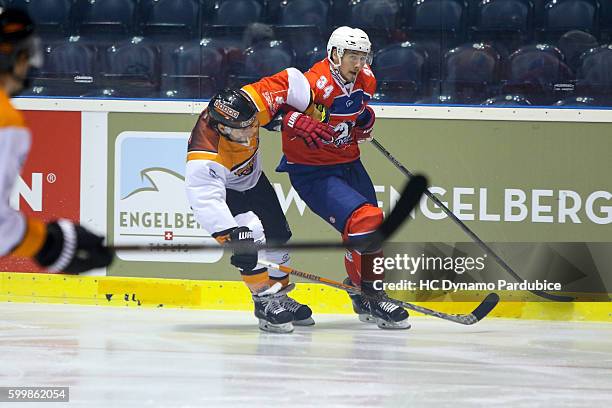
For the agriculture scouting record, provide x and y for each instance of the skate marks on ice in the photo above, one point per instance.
(191, 358)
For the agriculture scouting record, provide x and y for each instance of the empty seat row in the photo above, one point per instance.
(196, 69)
(198, 17)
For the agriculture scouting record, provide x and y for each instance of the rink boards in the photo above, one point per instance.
(534, 182)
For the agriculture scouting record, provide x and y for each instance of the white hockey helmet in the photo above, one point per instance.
(347, 38)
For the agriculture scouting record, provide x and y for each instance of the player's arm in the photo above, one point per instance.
(58, 246)
(206, 191)
(365, 121)
(290, 88)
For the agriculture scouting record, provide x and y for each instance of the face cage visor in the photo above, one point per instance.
(240, 135)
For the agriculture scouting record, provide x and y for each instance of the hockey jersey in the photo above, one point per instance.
(215, 163)
(20, 236)
(345, 104)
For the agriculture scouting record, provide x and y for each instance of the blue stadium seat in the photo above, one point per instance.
(505, 16)
(302, 23)
(573, 44)
(507, 100)
(69, 59)
(170, 18)
(437, 25)
(51, 16)
(106, 17)
(193, 70)
(374, 14)
(237, 12)
(564, 15)
(471, 72)
(539, 73)
(262, 59)
(304, 12)
(379, 18)
(402, 72)
(267, 58)
(131, 66)
(68, 68)
(436, 15)
(595, 72)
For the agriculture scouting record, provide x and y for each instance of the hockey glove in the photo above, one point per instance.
(71, 248)
(244, 257)
(364, 126)
(315, 134)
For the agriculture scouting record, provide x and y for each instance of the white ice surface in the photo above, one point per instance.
(130, 357)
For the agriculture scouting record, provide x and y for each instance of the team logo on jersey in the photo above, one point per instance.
(247, 168)
(343, 134)
(213, 173)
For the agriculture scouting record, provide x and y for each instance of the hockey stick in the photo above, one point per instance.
(467, 230)
(409, 199)
(481, 311)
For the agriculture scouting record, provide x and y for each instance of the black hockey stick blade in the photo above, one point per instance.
(409, 199)
(477, 315)
(485, 307)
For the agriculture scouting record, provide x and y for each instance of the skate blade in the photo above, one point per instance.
(367, 318)
(304, 322)
(275, 328)
(385, 325)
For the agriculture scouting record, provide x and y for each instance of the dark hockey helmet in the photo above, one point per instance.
(232, 108)
(16, 37)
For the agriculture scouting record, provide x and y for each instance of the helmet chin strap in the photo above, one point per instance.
(335, 68)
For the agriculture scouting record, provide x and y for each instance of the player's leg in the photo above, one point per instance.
(327, 193)
(272, 315)
(360, 226)
(264, 201)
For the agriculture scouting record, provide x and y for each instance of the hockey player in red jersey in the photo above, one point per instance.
(231, 196)
(58, 246)
(332, 180)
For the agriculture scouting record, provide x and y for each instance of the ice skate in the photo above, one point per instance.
(302, 314)
(273, 317)
(387, 315)
(361, 306)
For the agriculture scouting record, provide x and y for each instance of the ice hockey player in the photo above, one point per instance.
(58, 246)
(231, 196)
(332, 180)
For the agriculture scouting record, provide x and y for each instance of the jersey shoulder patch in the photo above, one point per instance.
(203, 143)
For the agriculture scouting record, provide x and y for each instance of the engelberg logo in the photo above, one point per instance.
(150, 205)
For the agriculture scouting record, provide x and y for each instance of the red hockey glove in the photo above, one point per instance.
(313, 133)
(363, 128)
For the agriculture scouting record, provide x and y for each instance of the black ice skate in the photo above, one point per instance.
(361, 305)
(386, 314)
(302, 314)
(273, 317)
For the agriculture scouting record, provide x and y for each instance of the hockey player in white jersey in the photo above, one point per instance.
(58, 246)
(231, 196)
